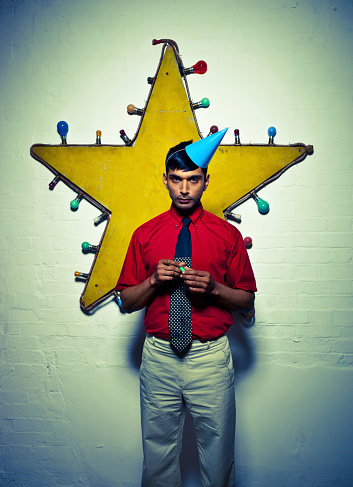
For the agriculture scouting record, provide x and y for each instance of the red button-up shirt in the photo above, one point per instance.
(217, 247)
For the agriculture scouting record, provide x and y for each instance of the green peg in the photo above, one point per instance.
(205, 102)
(74, 204)
(87, 247)
(262, 205)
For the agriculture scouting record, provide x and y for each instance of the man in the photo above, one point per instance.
(186, 360)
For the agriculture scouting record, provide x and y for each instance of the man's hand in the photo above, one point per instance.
(137, 297)
(167, 270)
(203, 284)
(200, 282)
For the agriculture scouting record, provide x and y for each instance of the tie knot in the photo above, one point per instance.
(186, 221)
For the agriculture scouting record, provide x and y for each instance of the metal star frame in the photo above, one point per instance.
(125, 181)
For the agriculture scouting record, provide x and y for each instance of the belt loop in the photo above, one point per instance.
(208, 345)
(153, 340)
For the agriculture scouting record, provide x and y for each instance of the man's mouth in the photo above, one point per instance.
(184, 200)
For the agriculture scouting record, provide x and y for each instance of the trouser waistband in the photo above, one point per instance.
(195, 344)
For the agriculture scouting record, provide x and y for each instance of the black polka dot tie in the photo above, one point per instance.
(180, 324)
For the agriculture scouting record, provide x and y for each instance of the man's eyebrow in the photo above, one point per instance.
(194, 176)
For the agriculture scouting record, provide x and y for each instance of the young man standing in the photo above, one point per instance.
(190, 269)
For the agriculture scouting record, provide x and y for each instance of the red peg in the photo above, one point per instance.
(248, 242)
(213, 130)
(237, 138)
(199, 68)
(53, 183)
(125, 137)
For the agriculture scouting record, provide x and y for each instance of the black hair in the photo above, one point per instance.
(177, 158)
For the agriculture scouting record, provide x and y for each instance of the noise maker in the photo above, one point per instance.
(132, 110)
(98, 137)
(199, 68)
(63, 129)
(54, 182)
(237, 138)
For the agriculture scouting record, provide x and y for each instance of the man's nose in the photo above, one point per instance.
(184, 186)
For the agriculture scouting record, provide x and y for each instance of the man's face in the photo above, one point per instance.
(185, 187)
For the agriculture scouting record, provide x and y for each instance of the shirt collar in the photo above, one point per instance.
(194, 216)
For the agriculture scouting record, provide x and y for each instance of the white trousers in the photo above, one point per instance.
(203, 380)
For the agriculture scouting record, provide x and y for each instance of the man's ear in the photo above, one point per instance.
(207, 180)
(165, 180)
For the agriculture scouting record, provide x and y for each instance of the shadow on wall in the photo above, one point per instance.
(240, 344)
(243, 354)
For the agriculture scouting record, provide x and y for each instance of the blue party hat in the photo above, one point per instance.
(202, 151)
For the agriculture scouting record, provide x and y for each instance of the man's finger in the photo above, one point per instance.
(169, 262)
(195, 276)
(193, 272)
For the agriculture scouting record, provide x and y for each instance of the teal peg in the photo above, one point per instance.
(87, 247)
(262, 205)
(74, 204)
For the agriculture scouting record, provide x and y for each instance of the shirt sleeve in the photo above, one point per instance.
(240, 274)
(133, 271)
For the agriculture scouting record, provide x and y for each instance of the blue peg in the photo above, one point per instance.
(271, 133)
(63, 129)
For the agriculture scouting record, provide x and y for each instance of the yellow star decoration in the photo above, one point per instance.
(125, 182)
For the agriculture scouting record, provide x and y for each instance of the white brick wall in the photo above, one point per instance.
(69, 405)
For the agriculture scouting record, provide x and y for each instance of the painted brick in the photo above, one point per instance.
(341, 256)
(347, 331)
(343, 346)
